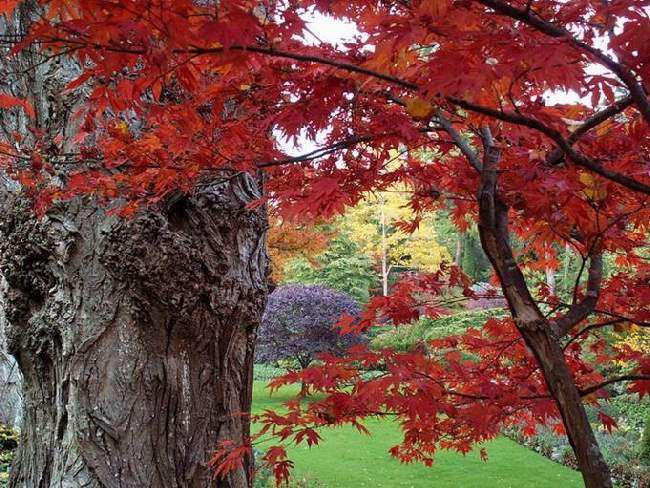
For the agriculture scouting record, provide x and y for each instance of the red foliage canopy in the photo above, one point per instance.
(179, 91)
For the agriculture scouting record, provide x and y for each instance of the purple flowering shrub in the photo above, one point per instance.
(298, 323)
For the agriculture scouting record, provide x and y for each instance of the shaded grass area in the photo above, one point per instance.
(347, 459)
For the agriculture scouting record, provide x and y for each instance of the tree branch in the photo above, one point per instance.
(279, 53)
(577, 157)
(637, 92)
(586, 329)
(317, 153)
(324, 151)
(615, 379)
(555, 156)
(581, 310)
(465, 148)
(640, 323)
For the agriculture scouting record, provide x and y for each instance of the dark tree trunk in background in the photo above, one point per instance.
(458, 257)
(134, 337)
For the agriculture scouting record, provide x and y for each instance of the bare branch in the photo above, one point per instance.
(595, 326)
(317, 153)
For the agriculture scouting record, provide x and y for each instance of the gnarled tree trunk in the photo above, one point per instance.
(134, 337)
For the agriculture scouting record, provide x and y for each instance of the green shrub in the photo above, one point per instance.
(617, 447)
(8, 445)
(631, 410)
(6, 458)
(404, 337)
(644, 450)
(8, 438)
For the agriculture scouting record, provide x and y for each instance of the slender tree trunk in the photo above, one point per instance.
(384, 276)
(135, 338)
(550, 279)
(385, 268)
(562, 387)
(458, 258)
(538, 333)
(304, 390)
(304, 362)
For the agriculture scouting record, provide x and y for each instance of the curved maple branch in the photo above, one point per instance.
(640, 323)
(616, 379)
(583, 392)
(581, 310)
(279, 53)
(637, 92)
(463, 145)
(324, 151)
(577, 157)
(590, 327)
(555, 156)
(599, 311)
(600, 117)
(317, 153)
(259, 49)
(600, 325)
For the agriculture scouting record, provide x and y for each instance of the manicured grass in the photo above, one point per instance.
(347, 459)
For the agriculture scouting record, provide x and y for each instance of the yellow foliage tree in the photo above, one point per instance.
(371, 224)
(638, 338)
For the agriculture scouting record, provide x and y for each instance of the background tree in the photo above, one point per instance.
(298, 324)
(463, 243)
(288, 241)
(373, 224)
(342, 267)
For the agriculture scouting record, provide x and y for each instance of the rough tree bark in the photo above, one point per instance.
(134, 337)
(541, 335)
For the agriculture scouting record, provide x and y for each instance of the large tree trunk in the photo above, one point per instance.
(135, 338)
(539, 334)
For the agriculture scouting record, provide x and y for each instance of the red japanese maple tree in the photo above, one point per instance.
(182, 90)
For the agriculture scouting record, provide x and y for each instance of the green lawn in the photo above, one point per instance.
(347, 459)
